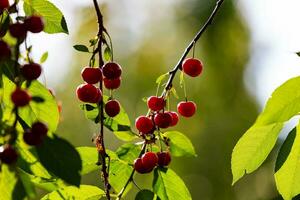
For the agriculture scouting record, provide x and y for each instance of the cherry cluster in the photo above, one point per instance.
(110, 74)
(27, 72)
(158, 119)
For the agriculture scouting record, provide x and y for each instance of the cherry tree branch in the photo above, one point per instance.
(102, 155)
(172, 74)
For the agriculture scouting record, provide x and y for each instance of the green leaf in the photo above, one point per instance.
(174, 92)
(287, 177)
(285, 149)
(11, 186)
(89, 158)
(54, 20)
(298, 53)
(119, 173)
(169, 186)
(145, 195)
(84, 192)
(107, 54)
(128, 152)
(60, 158)
(161, 78)
(253, 148)
(27, 184)
(180, 145)
(82, 48)
(44, 57)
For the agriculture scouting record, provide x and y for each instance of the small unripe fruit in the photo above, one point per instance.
(156, 103)
(186, 108)
(31, 71)
(18, 31)
(8, 155)
(39, 128)
(139, 167)
(20, 97)
(149, 160)
(164, 158)
(163, 120)
(112, 108)
(144, 124)
(4, 4)
(112, 70)
(91, 75)
(34, 24)
(5, 51)
(88, 93)
(192, 67)
(175, 118)
(112, 84)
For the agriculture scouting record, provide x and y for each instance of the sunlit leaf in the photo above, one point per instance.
(44, 57)
(82, 48)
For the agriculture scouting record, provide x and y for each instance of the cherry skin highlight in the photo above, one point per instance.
(34, 24)
(149, 160)
(186, 108)
(112, 84)
(31, 71)
(5, 51)
(156, 103)
(175, 118)
(192, 67)
(18, 31)
(112, 70)
(20, 97)
(164, 158)
(112, 108)
(144, 124)
(91, 75)
(8, 155)
(163, 120)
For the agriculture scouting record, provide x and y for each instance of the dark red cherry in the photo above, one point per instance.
(175, 118)
(31, 71)
(4, 4)
(156, 103)
(164, 158)
(149, 160)
(18, 31)
(20, 97)
(139, 167)
(5, 51)
(186, 108)
(8, 154)
(32, 139)
(112, 84)
(112, 108)
(144, 124)
(192, 67)
(88, 93)
(163, 120)
(91, 75)
(112, 70)
(34, 24)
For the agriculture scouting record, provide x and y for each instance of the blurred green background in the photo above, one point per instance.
(225, 109)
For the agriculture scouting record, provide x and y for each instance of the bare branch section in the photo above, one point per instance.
(173, 72)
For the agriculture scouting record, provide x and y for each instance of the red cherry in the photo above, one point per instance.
(175, 118)
(186, 108)
(112, 70)
(39, 128)
(31, 71)
(192, 67)
(149, 160)
(139, 167)
(34, 24)
(156, 103)
(4, 50)
(88, 93)
(18, 31)
(32, 139)
(112, 108)
(91, 75)
(20, 97)
(4, 4)
(112, 84)
(163, 120)
(144, 124)
(164, 158)
(8, 155)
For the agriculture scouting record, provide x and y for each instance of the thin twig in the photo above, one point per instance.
(102, 155)
(173, 72)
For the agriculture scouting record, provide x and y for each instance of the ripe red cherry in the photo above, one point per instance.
(112, 84)
(39, 128)
(144, 124)
(175, 118)
(186, 108)
(88, 93)
(91, 75)
(156, 103)
(163, 120)
(139, 167)
(34, 24)
(18, 31)
(192, 67)
(112, 108)
(164, 158)
(112, 70)
(4, 50)
(20, 97)
(8, 155)
(32, 139)
(31, 71)
(149, 160)
(4, 4)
